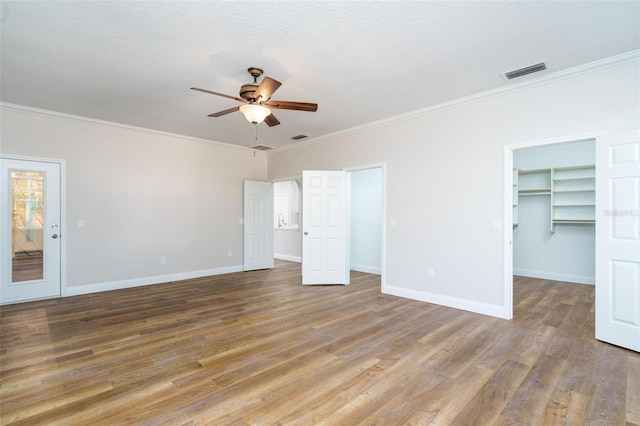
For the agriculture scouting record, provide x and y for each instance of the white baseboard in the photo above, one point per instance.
(297, 259)
(546, 275)
(367, 269)
(138, 282)
(451, 302)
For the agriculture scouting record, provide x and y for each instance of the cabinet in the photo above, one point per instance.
(572, 192)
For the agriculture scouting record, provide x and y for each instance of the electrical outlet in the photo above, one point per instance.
(430, 273)
(229, 253)
(163, 260)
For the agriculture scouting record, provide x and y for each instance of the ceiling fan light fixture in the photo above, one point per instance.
(255, 113)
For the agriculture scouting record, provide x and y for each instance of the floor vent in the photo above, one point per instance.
(262, 147)
(524, 71)
(295, 138)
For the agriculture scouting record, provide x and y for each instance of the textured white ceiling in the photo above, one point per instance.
(133, 62)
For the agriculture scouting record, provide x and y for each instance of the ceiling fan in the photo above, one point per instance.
(257, 101)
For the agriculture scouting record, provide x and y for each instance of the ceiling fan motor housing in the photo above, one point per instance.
(247, 90)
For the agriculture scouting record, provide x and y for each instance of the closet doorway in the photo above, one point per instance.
(554, 212)
(613, 208)
(541, 218)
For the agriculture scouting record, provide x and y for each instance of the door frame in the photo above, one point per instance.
(63, 210)
(383, 249)
(508, 206)
(285, 179)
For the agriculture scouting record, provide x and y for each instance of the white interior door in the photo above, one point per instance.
(325, 219)
(618, 239)
(258, 225)
(30, 248)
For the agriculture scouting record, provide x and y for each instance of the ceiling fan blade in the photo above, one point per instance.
(298, 106)
(271, 120)
(225, 112)
(219, 94)
(265, 89)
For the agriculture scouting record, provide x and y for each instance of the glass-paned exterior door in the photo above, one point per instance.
(30, 248)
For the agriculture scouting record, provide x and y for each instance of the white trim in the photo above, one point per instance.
(507, 221)
(158, 279)
(28, 158)
(72, 117)
(508, 205)
(554, 276)
(580, 137)
(63, 210)
(287, 257)
(366, 269)
(513, 87)
(287, 228)
(284, 179)
(448, 301)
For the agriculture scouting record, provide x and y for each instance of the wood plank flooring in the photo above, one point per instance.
(257, 348)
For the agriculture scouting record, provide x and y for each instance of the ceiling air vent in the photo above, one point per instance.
(262, 147)
(524, 71)
(295, 138)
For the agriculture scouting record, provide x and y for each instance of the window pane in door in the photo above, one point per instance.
(27, 224)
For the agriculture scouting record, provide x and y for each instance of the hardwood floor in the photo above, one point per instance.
(258, 348)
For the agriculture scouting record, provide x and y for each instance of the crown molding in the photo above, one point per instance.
(23, 108)
(624, 58)
(631, 56)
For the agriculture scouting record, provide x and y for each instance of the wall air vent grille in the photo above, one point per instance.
(524, 71)
(262, 147)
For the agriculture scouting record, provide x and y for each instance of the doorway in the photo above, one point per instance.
(367, 218)
(554, 212)
(537, 189)
(367, 223)
(287, 205)
(32, 253)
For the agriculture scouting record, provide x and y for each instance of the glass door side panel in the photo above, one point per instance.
(27, 224)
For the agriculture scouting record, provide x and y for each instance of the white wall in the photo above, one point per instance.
(445, 179)
(287, 244)
(142, 195)
(569, 253)
(366, 220)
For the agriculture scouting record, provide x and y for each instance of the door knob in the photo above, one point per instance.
(55, 236)
(306, 233)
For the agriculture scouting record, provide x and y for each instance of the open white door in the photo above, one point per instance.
(618, 239)
(258, 225)
(325, 237)
(30, 220)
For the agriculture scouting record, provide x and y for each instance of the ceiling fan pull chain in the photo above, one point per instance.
(255, 137)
